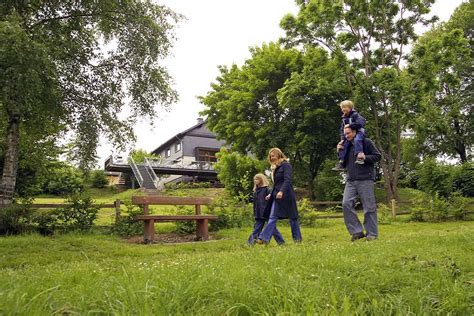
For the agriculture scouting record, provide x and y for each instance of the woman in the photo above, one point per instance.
(282, 198)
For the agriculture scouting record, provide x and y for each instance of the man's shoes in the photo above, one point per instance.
(357, 236)
(339, 167)
(360, 161)
(371, 237)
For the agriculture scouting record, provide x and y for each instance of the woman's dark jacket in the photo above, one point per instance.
(286, 206)
(261, 207)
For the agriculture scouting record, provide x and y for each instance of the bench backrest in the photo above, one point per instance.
(170, 200)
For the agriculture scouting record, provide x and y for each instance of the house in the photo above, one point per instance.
(195, 146)
(187, 156)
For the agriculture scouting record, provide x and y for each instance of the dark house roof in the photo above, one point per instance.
(180, 136)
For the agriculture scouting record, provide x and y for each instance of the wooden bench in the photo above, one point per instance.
(202, 221)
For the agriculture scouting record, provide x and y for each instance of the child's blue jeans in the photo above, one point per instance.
(257, 229)
(358, 145)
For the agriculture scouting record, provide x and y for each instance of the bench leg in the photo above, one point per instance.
(149, 231)
(202, 232)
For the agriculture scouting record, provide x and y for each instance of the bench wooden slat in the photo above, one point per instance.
(149, 220)
(170, 200)
(174, 217)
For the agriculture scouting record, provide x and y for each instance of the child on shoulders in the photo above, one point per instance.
(352, 118)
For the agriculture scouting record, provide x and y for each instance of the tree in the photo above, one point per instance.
(376, 35)
(71, 65)
(139, 155)
(280, 98)
(441, 66)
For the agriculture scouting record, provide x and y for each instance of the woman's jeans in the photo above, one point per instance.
(270, 229)
(257, 229)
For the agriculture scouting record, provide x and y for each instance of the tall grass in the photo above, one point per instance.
(414, 268)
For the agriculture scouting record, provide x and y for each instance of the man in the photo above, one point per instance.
(360, 183)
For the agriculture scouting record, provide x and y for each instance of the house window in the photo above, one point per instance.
(168, 152)
(177, 147)
(208, 155)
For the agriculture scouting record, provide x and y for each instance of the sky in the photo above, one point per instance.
(215, 32)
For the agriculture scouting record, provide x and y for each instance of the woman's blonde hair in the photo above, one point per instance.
(281, 155)
(347, 104)
(263, 180)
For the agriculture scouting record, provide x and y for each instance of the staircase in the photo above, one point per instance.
(148, 182)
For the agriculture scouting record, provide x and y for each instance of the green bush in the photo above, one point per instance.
(384, 214)
(307, 213)
(139, 155)
(185, 227)
(126, 225)
(98, 179)
(80, 213)
(329, 186)
(231, 213)
(464, 179)
(46, 220)
(63, 179)
(458, 205)
(236, 172)
(188, 185)
(438, 208)
(14, 219)
(435, 178)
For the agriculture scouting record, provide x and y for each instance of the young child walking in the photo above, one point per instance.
(261, 208)
(352, 118)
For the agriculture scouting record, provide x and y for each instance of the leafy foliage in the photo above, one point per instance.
(139, 155)
(79, 214)
(126, 225)
(98, 179)
(375, 34)
(14, 219)
(236, 172)
(70, 66)
(329, 186)
(441, 65)
(63, 179)
(280, 98)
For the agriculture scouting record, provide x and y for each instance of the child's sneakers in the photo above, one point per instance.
(339, 167)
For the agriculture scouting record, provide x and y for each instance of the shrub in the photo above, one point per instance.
(79, 214)
(307, 213)
(384, 213)
(438, 208)
(329, 186)
(236, 172)
(464, 179)
(63, 179)
(458, 206)
(185, 227)
(14, 219)
(126, 225)
(46, 221)
(231, 212)
(139, 155)
(98, 179)
(434, 178)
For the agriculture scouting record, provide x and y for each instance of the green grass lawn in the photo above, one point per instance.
(414, 268)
